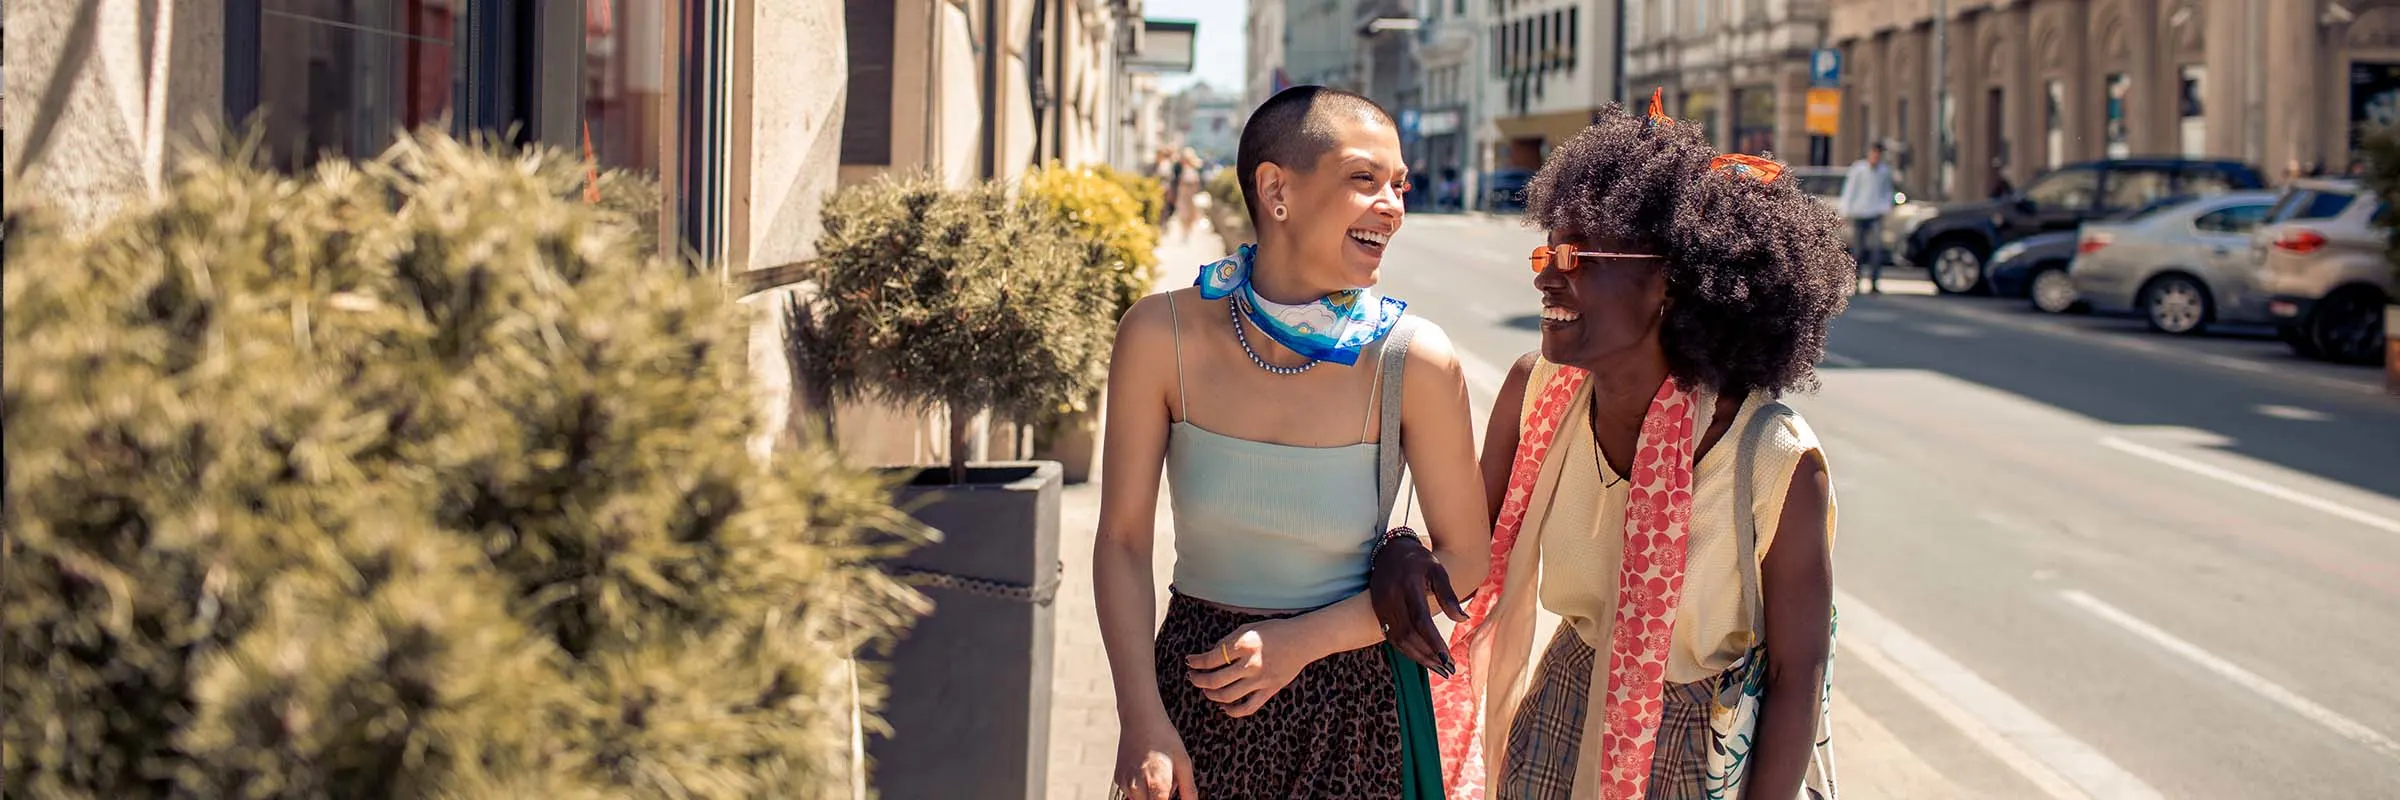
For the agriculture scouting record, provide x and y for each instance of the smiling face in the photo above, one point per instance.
(1344, 209)
(1596, 308)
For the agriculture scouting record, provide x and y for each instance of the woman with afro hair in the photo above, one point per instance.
(1650, 489)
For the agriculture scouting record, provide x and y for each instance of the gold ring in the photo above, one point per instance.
(1224, 653)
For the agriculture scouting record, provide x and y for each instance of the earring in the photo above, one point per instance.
(1281, 212)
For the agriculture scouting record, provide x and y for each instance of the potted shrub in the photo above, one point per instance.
(1101, 212)
(964, 301)
(411, 478)
(1227, 211)
(2381, 151)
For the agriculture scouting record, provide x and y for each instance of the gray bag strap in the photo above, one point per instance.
(1391, 468)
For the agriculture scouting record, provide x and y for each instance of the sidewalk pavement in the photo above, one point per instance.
(1872, 761)
(1083, 711)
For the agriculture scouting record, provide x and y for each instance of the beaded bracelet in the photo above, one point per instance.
(1387, 538)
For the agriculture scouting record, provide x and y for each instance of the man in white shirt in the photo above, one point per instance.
(1866, 197)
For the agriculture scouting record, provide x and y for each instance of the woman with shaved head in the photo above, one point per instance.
(1283, 395)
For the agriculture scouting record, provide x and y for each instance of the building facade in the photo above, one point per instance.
(1321, 44)
(1263, 71)
(1549, 65)
(1451, 122)
(2027, 85)
(1740, 68)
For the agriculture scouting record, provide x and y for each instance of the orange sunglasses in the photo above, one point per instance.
(1569, 259)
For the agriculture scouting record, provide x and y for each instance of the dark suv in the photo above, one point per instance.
(1956, 241)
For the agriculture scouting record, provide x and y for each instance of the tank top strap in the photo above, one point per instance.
(1183, 402)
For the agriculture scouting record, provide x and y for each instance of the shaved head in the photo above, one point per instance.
(1297, 127)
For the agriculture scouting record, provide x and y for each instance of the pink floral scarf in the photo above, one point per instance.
(1493, 645)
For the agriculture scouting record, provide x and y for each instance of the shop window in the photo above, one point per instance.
(624, 79)
(344, 77)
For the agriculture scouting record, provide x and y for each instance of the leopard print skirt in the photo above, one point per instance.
(1333, 733)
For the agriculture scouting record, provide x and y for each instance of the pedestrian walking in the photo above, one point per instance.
(1867, 193)
(1652, 491)
(1284, 396)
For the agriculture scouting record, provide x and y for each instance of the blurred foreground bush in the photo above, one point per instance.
(411, 478)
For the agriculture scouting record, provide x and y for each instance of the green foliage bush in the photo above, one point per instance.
(967, 299)
(411, 478)
(1101, 212)
(1150, 192)
(2380, 146)
(1228, 211)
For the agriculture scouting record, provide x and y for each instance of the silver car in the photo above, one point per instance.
(2181, 266)
(1825, 184)
(2322, 260)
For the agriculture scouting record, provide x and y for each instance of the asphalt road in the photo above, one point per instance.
(2074, 559)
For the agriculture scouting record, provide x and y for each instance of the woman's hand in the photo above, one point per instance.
(1403, 574)
(1151, 764)
(1248, 668)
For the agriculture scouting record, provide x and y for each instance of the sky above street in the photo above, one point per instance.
(1219, 58)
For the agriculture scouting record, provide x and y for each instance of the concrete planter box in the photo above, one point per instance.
(970, 685)
(1073, 440)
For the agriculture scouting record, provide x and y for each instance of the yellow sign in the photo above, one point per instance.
(1824, 111)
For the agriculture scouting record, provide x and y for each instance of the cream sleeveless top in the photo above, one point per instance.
(1583, 537)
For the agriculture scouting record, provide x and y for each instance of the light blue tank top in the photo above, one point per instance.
(1268, 526)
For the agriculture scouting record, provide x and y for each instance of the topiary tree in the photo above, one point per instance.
(2380, 147)
(964, 299)
(407, 479)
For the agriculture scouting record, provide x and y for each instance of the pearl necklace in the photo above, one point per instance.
(1233, 309)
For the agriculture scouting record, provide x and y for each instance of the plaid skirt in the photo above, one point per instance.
(1548, 733)
(1333, 733)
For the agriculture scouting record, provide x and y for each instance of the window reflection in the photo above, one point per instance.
(343, 77)
(624, 77)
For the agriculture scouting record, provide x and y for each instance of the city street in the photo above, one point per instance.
(2075, 559)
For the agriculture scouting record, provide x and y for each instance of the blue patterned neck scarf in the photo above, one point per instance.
(1335, 328)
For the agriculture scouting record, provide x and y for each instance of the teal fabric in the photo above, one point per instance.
(1420, 743)
(1270, 526)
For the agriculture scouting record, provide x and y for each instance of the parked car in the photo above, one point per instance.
(2181, 266)
(1504, 190)
(1957, 240)
(2036, 267)
(2322, 265)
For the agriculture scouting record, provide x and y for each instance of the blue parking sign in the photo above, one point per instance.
(1825, 68)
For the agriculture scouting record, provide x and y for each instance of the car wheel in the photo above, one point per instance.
(2175, 304)
(1957, 268)
(2347, 327)
(2053, 291)
(2302, 343)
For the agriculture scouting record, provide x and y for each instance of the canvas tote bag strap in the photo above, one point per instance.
(1745, 528)
(1391, 467)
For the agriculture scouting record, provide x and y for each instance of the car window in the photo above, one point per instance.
(2321, 205)
(2133, 188)
(2233, 219)
(2202, 179)
(1822, 185)
(2065, 190)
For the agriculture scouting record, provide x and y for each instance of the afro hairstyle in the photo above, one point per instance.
(1755, 270)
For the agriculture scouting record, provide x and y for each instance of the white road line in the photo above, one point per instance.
(2291, 701)
(2060, 765)
(1839, 360)
(2385, 524)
